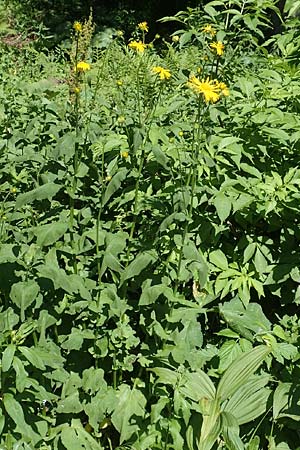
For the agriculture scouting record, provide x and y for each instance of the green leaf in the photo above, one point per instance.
(15, 411)
(75, 437)
(218, 258)
(250, 400)
(239, 372)
(230, 432)
(23, 294)
(114, 185)
(70, 404)
(32, 356)
(138, 265)
(197, 385)
(222, 205)
(7, 357)
(166, 376)
(160, 157)
(130, 402)
(50, 233)
(46, 191)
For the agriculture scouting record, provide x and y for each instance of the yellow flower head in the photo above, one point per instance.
(223, 89)
(207, 88)
(138, 46)
(218, 47)
(76, 90)
(121, 119)
(77, 27)
(119, 83)
(175, 38)
(209, 30)
(164, 74)
(124, 155)
(143, 26)
(82, 66)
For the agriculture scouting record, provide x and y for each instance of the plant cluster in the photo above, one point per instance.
(149, 239)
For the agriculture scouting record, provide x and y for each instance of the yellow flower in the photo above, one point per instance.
(175, 38)
(164, 74)
(119, 83)
(77, 27)
(138, 46)
(180, 133)
(124, 155)
(143, 26)
(223, 88)
(209, 29)
(82, 66)
(207, 88)
(13, 190)
(218, 47)
(108, 178)
(76, 90)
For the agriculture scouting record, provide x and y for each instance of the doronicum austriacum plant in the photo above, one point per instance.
(149, 238)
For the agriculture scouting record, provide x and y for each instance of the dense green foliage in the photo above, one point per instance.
(149, 236)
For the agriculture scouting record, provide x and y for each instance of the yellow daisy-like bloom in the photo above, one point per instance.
(138, 46)
(218, 47)
(175, 38)
(164, 74)
(77, 27)
(143, 26)
(124, 155)
(207, 88)
(223, 89)
(209, 29)
(82, 66)
(76, 90)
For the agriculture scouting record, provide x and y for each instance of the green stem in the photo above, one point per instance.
(191, 182)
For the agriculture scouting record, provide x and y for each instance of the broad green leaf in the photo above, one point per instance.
(151, 293)
(93, 380)
(250, 400)
(230, 432)
(22, 379)
(7, 357)
(32, 356)
(211, 424)
(239, 372)
(70, 404)
(46, 191)
(114, 185)
(130, 402)
(222, 205)
(218, 258)
(197, 385)
(15, 411)
(166, 376)
(138, 265)
(23, 294)
(75, 436)
(50, 233)
(281, 398)
(160, 157)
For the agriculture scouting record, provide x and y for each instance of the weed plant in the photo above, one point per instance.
(149, 238)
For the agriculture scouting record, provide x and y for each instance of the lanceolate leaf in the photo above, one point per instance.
(40, 193)
(239, 372)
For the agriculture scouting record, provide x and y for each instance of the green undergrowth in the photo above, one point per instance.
(149, 238)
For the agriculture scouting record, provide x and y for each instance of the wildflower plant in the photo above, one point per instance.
(149, 242)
